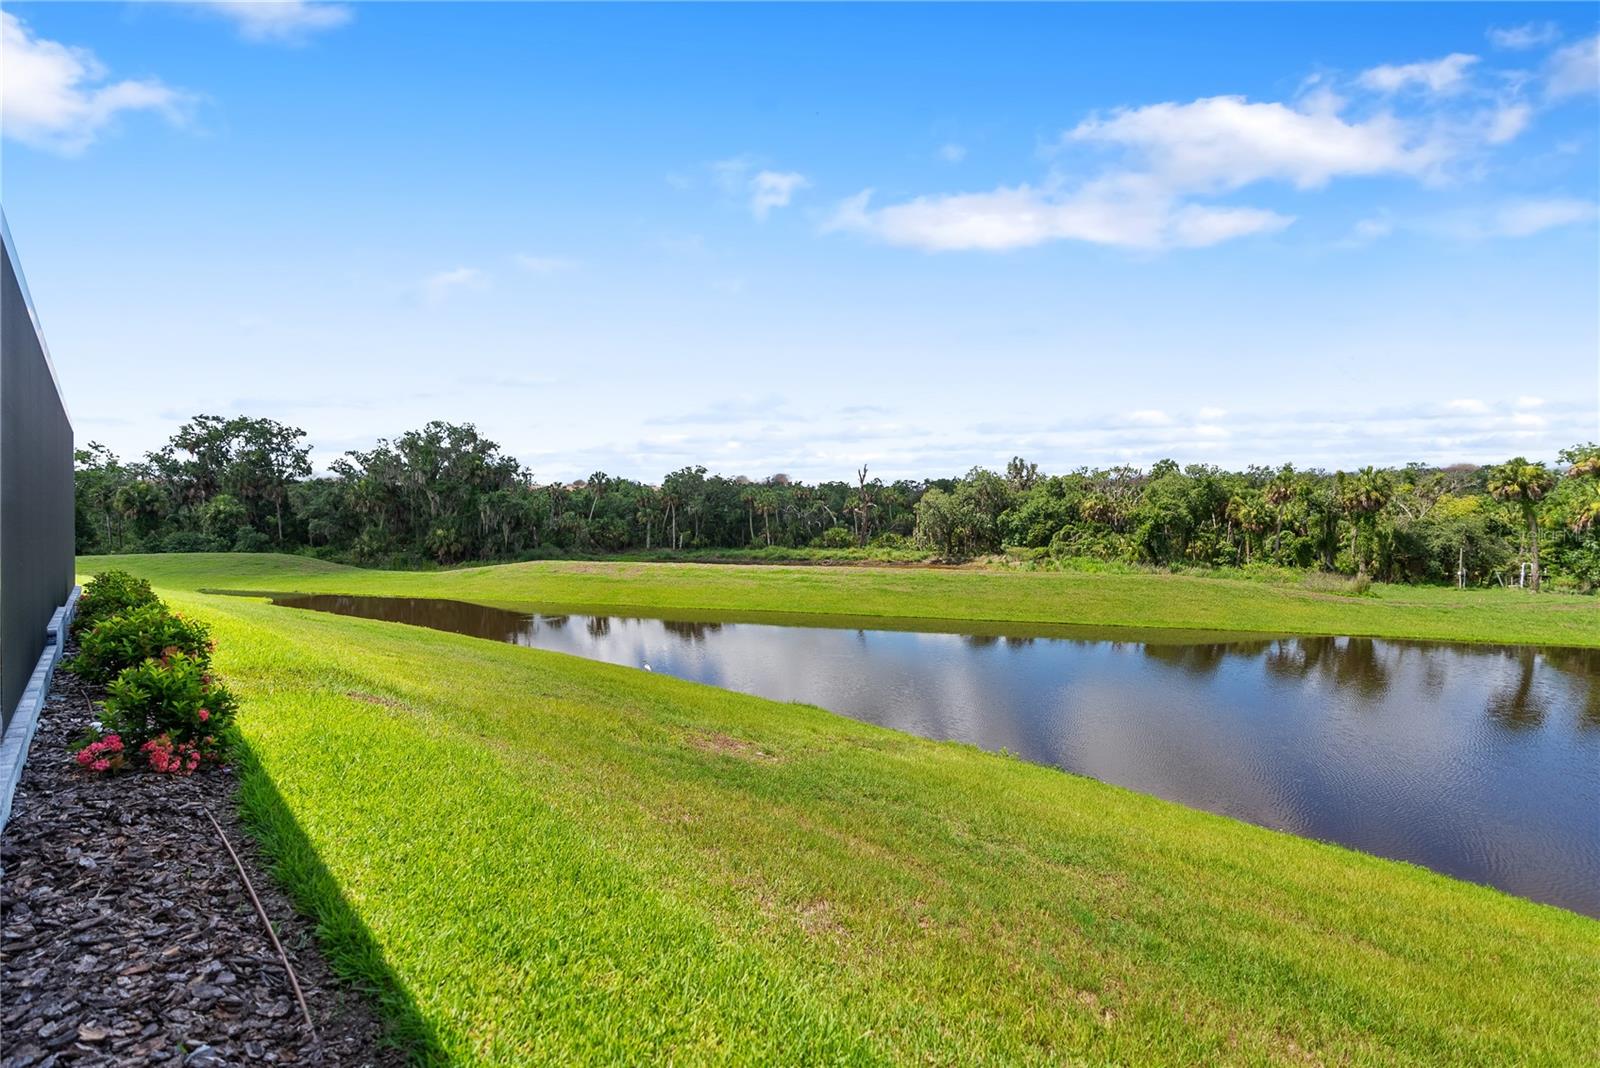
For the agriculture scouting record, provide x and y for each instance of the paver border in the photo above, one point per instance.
(19, 734)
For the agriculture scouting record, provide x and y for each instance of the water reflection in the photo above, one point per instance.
(1482, 762)
(1520, 705)
(1355, 663)
(1200, 661)
(689, 632)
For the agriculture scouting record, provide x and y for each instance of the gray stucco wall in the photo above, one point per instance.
(36, 505)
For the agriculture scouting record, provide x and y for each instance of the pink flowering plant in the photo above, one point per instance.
(163, 709)
(171, 712)
(103, 754)
(168, 757)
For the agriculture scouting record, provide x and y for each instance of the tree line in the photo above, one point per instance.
(446, 494)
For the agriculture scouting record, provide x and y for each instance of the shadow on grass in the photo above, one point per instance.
(350, 949)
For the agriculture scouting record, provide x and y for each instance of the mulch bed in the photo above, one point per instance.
(127, 936)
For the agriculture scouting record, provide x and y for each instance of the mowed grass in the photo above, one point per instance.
(866, 593)
(534, 858)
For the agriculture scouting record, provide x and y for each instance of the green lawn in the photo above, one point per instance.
(535, 858)
(861, 593)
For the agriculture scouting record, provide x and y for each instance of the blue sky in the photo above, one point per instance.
(786, 238)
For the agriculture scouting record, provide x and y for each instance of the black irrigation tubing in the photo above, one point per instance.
(255, 899)
(261, 911)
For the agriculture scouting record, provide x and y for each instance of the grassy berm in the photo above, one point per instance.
(533, 858)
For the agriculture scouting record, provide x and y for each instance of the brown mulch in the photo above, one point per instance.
(127, 936)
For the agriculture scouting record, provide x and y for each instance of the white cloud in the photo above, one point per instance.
(1317, 96)
(56, 97)
(774, 189)
(1126, 211)
(1149, 417)
(1522, 218)
(1197, 226)
(773, 437)
(437, 287)
(1467, 404)
(765, 189)
(1446, 75)
(1211, 415)
(1210, 146)
(543, 264)
(1521, 38)
(1504, 123)
(951, 152)
(1530, 402)
(1176, 158)
(283, 21)
(1225, 142)
(1574, 70)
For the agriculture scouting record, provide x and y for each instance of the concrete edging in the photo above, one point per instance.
(19, 735)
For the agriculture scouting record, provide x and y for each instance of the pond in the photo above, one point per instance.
(1481, 762)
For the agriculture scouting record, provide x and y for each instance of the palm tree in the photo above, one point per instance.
(766, 504)
(645, 513)
(748, 498)
(1586, 513)
(1586, 466)
(1524, 484)
(1247, 512)
(1278, 493)
(140, 505)
(1320, 506)
(599, 482)
(670, 499)
(1363, 495)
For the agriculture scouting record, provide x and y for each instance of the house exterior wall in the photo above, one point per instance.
(36, 505)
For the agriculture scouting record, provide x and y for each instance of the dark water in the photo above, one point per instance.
(1481, 762)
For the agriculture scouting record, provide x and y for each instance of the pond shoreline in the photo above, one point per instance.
(1400, 748)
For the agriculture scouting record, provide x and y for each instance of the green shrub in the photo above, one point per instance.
(108, 594)
(1061, 559)
(834, 538)
(135, 636)
(251, 541)
(172, 698)
(1328, 582)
